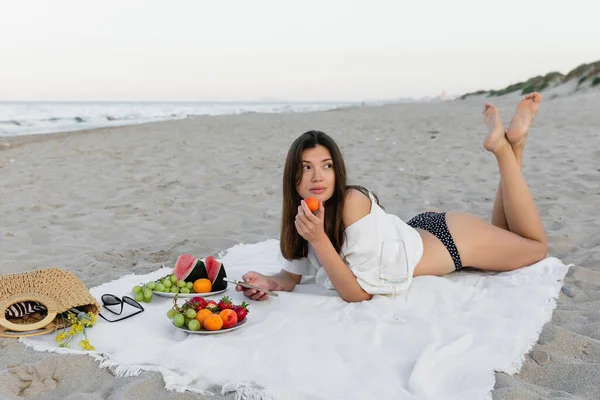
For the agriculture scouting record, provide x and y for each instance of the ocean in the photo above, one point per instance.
(24, 118)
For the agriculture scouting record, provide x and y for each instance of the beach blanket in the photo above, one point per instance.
(310, 344)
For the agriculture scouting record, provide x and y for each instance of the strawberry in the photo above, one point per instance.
(225, 304)
(212, 306)
(208, 302)
(241, 311)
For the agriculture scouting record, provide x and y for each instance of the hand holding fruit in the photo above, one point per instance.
(309, 225)
(256, 279)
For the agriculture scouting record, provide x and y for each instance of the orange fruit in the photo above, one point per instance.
(202, 285)
(202, 314)
(213, 322)
(312, 203)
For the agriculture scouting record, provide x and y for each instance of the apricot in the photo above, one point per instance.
(312, 203)
(213, 322)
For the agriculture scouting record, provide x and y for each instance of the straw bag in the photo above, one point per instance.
(54, 289)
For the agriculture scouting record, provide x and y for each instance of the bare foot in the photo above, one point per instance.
(521, 121)
(495, 139)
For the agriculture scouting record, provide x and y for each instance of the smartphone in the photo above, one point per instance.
(249, 286)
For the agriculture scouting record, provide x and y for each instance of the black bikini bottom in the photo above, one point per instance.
(435, 223)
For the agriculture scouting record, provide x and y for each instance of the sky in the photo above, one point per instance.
(326, 50)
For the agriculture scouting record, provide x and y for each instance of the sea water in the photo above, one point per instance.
(24, 118)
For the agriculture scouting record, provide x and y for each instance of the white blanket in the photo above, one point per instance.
(310, 344)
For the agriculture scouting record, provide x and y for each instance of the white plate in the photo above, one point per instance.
(188, 295)
(205, 332)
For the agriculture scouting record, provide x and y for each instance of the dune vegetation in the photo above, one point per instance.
(583, 73)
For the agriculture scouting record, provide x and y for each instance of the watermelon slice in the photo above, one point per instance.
(215, 273)
(188, 268)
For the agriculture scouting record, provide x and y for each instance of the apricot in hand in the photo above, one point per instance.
(312, 203)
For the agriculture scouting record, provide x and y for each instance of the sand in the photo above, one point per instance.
(110, 202)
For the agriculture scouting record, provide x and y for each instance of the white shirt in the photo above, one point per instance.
(362, 249)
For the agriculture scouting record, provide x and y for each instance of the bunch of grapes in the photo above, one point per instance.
(184, 315)
(167, 284)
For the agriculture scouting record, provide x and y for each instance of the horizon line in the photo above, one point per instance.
(274, 100)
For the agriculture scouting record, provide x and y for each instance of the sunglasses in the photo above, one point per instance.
(110, 300)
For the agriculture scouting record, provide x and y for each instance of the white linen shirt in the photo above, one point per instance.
(361, 251)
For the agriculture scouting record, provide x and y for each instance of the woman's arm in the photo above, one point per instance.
(341, 276)
(283, 281)
(357, 205)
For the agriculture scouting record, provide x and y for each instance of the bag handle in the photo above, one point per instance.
(48, 329)
(49, 303)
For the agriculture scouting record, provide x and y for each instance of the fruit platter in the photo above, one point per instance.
(201, 316)
(191, 276)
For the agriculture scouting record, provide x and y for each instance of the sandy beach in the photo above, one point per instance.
(114, 201)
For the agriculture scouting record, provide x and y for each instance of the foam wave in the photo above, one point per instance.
(12, 122)
(36, 118)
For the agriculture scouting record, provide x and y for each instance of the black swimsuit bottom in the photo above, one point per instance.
(435, 223)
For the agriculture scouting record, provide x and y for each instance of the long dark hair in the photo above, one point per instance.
(293, 246)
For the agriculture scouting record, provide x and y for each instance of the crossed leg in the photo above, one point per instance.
(516, 136)
(483, 245)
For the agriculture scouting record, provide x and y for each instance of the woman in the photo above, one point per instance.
(340, 243)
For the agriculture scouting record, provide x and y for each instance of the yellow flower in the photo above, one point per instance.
(79, 322)
(87, 323)
(85, 344)
(93, 317)
(72, 318)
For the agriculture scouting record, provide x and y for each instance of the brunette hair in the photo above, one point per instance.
(292, 245)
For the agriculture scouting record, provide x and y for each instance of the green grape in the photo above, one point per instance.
(147, 295)
(171, 313)
(193, 325)
(159, 287)
(136, 289)
(190, 313)
(181, 284)
(189, 285)
(173, 279)
(139, 297)
(184, 290)
(151, 285)
(174, 289)
(167, 283)
(179, 320)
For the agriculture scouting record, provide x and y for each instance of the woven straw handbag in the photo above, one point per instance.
(55, 289)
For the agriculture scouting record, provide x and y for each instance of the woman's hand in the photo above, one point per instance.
(309, 225)
(256, 279)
